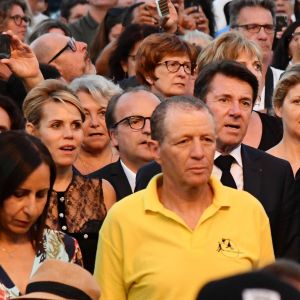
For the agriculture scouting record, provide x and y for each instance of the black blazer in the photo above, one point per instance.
(271, 181)
(114, 173)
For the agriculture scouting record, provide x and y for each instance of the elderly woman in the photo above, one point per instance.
(27, 175)
(13, 17)
(286, 102)
(165, 63)
(94, 93)
(78, 205)
(264, 131)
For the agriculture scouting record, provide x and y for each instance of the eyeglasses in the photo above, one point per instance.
(255, 28)
(135, 122)
(173, 66)
(71, 44)
(18, 19)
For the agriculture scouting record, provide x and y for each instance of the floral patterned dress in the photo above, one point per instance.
(56, 245)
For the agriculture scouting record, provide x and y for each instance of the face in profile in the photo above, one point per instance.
(173, 74)
(186, 153)
(290, 112)
(60, 129)
(96, 137)
(21, 210)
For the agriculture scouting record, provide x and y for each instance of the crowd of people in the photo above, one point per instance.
(150, 156)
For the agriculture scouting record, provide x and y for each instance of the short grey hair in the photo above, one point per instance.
(95, 85)
(236, 6)
(157, 122)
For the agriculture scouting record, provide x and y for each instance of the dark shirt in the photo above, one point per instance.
(84, 29)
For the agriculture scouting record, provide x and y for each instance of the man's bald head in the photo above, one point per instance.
(69, 57)
(45, 47)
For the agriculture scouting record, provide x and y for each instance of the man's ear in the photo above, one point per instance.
(154, 147)
(113, 133)
(31, 129)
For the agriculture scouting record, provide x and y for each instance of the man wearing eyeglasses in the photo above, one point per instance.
(256, 20)
(128, 122)
(68, 56)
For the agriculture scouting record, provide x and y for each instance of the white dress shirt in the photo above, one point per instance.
(236, 169)
(130, 175)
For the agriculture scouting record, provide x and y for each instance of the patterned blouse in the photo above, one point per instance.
(56, 245)
(79, 211)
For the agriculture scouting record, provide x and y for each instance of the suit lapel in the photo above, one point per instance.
(252, 171)
(120, 179)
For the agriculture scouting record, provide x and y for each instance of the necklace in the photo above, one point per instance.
(10, 253)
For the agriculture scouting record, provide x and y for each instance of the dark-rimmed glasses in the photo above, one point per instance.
(134, 122)
(71, 44)
(173, 66)
(255, 28)
(18, 19)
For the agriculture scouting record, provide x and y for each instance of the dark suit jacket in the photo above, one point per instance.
(271, 181)
(114, 173)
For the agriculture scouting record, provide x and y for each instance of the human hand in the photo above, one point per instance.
(200, 20)
(23, 62)
(146, 14)
(170, 22)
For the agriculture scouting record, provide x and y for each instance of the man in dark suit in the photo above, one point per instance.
(230, 90)
(128, 122)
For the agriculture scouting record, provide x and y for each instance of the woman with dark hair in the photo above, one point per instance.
(11, 116)
(122, 59)
(109, 30)
(49, 25)
(13, 17)
(287, 51)
(27, 175)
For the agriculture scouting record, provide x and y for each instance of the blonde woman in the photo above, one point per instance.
(286, 103)
(78, 205)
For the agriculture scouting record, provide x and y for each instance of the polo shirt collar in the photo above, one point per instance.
(152, 203)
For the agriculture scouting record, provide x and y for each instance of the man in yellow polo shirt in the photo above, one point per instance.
(185, 228)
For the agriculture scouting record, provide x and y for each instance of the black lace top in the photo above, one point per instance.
(79, 211)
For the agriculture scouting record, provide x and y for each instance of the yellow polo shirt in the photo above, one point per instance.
(146, 251)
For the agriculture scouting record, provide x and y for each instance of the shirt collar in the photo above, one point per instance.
(235, 153)
(130, 175)
(152, 202)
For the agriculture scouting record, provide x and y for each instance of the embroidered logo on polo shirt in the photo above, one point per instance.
(228, 248)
